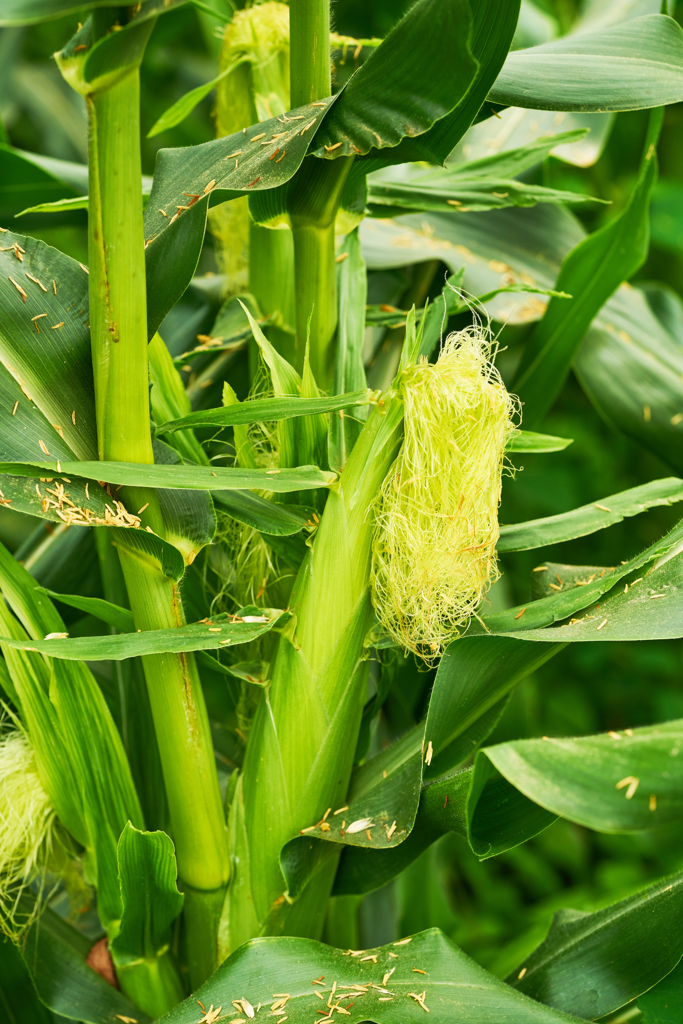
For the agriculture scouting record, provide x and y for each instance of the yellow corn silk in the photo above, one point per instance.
(27, 826)
(437, 513)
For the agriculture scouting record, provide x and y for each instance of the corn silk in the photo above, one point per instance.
(434, 547)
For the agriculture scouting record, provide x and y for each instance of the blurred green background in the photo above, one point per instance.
(497, 910)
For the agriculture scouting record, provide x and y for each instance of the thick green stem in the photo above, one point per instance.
(309, 34)
(118, 318)
(313, 207)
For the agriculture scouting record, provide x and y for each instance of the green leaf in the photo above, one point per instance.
(445, 190)
(47, 372)
(593, 964)
(413, 79)
(528, 442)
(580, 522)
(112, 614)
(18, 997)
(474, 674)
(527, 621)
(55, 956)
(189, 517)
(363, 870)
(662, 1004)
(591, 273)
(199, 478)
(187, 179)
(349, 370)
(631, 369)
(511, 162)
(59, 206)
(624, 67)
(27, 180)
(651, 609)
(493, 24)
(183, 107)
(223, 631)
(265, 516)
(514, 127)
(495, 249)
(151, 902)
(261, 410)
(611, 782)
(454, 986)
(29, 12)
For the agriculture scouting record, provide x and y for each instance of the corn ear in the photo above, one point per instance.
(299, 757)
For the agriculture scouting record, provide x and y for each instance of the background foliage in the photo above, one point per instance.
(496, 911)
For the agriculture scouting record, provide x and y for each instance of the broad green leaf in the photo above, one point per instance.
(631, 369)
(590, 273)
(263, 409)
(18, 997)
(522, 619)
(452, 987)
(267, 517)
(538, 533)
(495, 249)
(363, 870)
(592, 964)
(417, 75)
(151, 902)
(474, 674)
(187, 179)
(667, 306)
(623, 781)
(493, 24)
(662, 1004)
(528, 442)
(156, 552)
(112, 614)
(59, 500)
(623, 67)
(515, 128)
(222, 631)
(650, 609)
(199, 478)
(27, 12)
(46, 365)
(55, 957)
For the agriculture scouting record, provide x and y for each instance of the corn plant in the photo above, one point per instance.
(297, 512)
